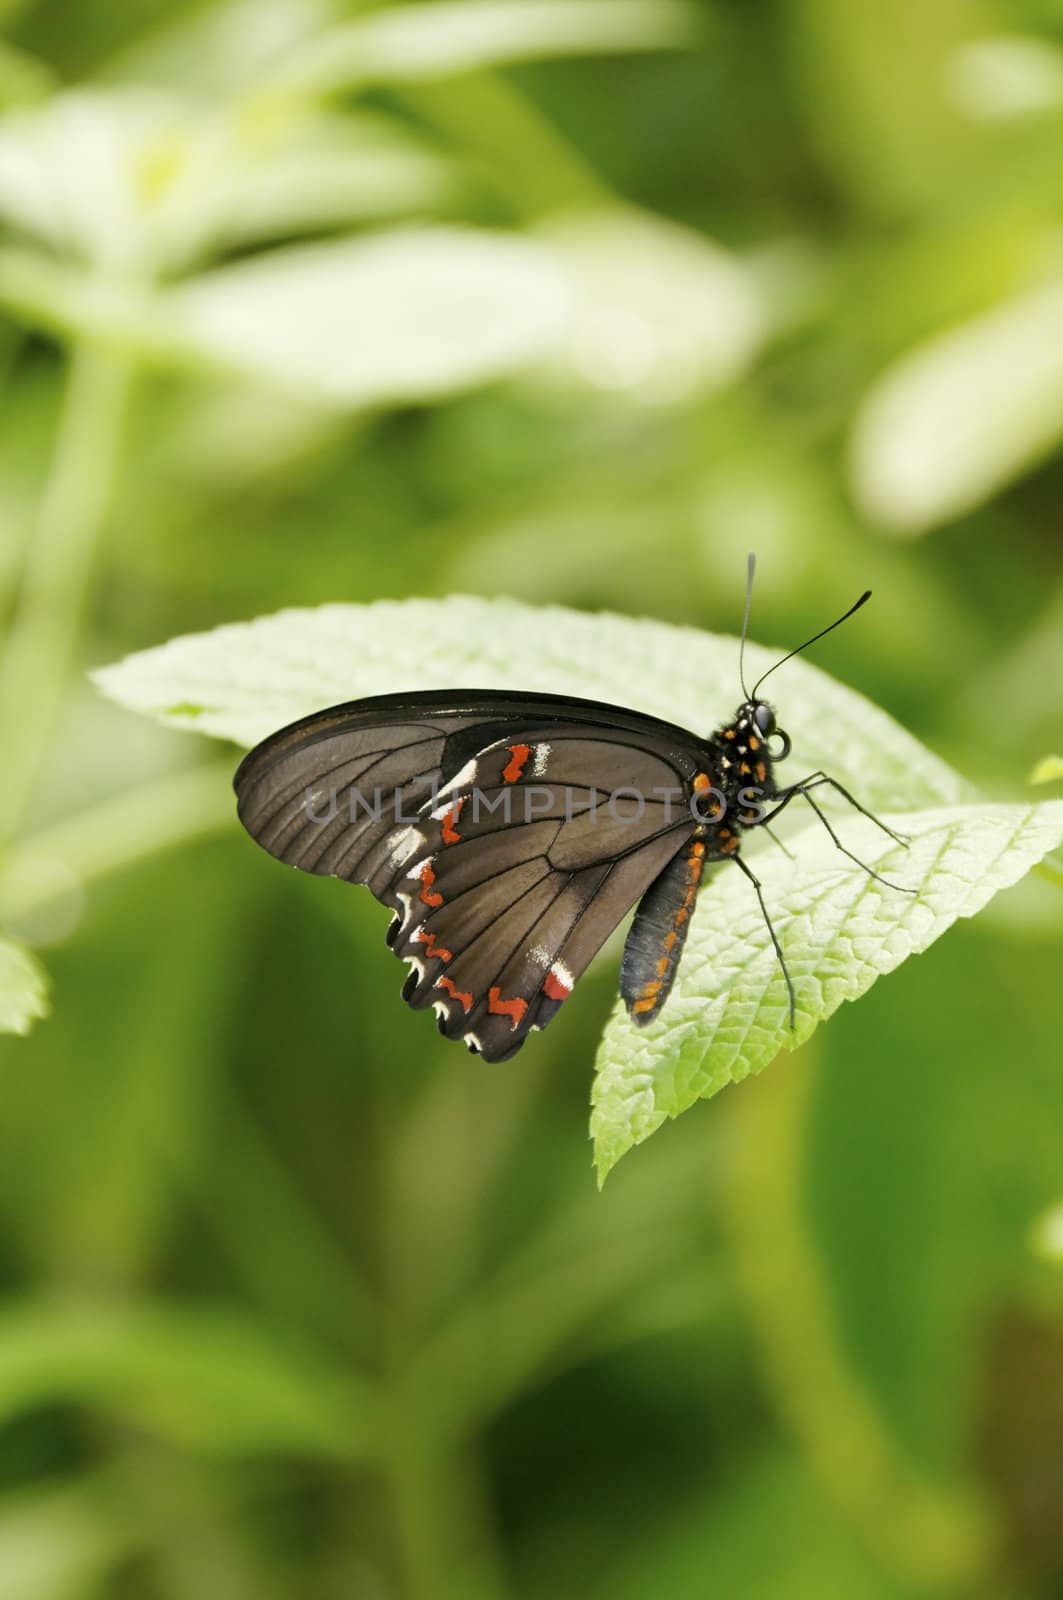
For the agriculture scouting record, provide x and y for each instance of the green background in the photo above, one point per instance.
(298, 1301)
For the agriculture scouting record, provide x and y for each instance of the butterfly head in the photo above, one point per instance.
(747, 749)
(756, 728)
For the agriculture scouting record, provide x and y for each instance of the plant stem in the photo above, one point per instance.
(442, 1518)
(58, 563)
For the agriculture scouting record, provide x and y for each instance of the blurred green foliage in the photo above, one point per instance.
(296, 1303)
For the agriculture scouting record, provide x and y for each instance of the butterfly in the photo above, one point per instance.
(509, 833)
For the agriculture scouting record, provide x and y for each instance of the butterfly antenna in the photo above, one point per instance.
(745, 625)
(820, 635)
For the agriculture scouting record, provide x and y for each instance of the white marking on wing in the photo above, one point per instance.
(465, 779)
(404, 845)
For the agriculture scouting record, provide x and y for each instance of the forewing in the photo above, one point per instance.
(510, 834)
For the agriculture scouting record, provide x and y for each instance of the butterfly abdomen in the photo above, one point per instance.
(655, 942)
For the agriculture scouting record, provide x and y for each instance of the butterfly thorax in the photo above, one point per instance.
(739, 781)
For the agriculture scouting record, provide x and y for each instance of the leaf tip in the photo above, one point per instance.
(1048, 770)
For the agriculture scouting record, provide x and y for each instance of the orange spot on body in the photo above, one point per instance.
(701, 781)
(762, 772)
(644, 1005)
(455, 993)
(662, 966)
(428, 896)
(698, 850)
(728, 733)
(554, 989)
(745, 769)
(513, 1009)
(731, 846)
(754, 742)
(669, 940)
(450, 834)
(649, 990)
(430, 946)
(514, 769)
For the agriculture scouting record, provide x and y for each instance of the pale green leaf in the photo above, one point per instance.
(23, 989)
(407, 43)
(1004, 77)
(408, 315)
(1048, 770)
(243, 681)
(962, 416)
(73, 170)
(223, 50)
(139, 181)
(661, 312)
(1046, 1235)
(398, 316)
(324, 171)
(727, 1016)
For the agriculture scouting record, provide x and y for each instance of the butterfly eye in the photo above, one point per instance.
(764, 717)
(782, 750)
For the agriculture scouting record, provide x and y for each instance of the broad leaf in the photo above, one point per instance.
(140, 181)
(328, 322)
(661, 311)
(728, 1014)
(407, 43)
(243, 681)
(957, 419)
(401, 316)
(23, 989)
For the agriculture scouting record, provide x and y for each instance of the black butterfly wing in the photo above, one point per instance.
(492, 826)
(499, 911)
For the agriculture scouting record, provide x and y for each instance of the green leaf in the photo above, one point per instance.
(958, 418)
(1046, 1236)
(408, 43)
(142, 182)
(23, 989)
(840, 930)
(728, 1014)
(407, 315)
(661, 311)
(1005, 77)
(328, 322)
(244, 680)
(1048, 770)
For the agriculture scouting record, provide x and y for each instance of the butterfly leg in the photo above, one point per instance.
(818, 779)
(755, 881)
(815, 783)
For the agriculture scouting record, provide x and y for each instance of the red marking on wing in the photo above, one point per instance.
(450, 834)
(515, 769)
(513, 1009)
(455, 993)
(428, 877)
(554, 989)
(430, 946)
